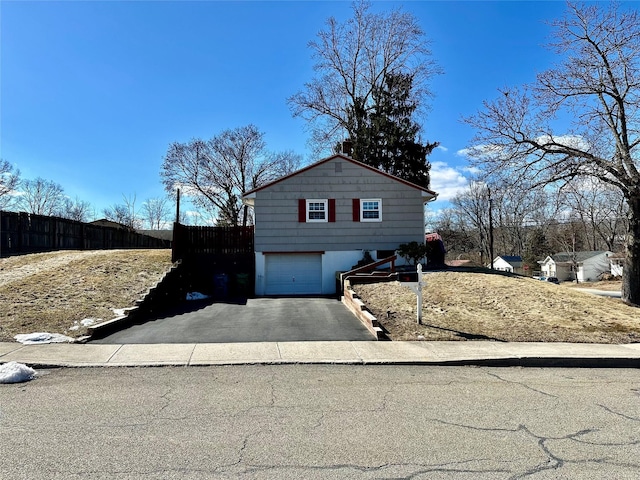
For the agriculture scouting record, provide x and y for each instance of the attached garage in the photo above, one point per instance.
(293, 274)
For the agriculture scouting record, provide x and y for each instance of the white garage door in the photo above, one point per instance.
(295, 274)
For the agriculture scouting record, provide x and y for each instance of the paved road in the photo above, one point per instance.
(602, 293)
(253, 320)
(317, 422)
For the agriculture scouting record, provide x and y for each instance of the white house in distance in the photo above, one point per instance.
(321, 219)
(508, 263)
(588, 265)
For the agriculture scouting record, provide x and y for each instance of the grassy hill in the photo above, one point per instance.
(53, 292)
(465, 305)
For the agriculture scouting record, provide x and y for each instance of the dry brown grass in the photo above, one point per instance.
(48, 292)
(608, 285)
(463, 305)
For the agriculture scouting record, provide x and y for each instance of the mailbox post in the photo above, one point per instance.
(419, 294)
(417, 288)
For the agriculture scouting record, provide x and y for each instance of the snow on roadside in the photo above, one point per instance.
(87, 322)
(14, 372)
(42, 337)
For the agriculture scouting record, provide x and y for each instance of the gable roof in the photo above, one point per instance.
(567, 257)
(103, 222)
(512, 259)
(433, 194)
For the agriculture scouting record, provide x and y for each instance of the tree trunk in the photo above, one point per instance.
(631, 273)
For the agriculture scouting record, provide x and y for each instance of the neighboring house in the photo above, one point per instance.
(321, 219)
(508, 263)
(617, 264)
(436, 250)
(160, 234)
(585, 266)
(103, 222)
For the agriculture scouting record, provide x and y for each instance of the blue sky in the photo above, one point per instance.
(92, 93)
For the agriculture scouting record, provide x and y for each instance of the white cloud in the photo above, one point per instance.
(471, 170)
(440, 147)
(571, 141)
(479, 151)
(447, 181)
(498, 151)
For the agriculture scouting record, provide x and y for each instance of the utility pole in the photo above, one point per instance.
(178, 206)
(490, 226)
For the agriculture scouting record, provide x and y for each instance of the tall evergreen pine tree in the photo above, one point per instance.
(385, 135)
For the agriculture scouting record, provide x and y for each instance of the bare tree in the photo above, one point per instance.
(352, 60)
(78, 210)
(600, 210)
(217, 172)
(9, 182)
(156, 211)
(516, 209)
(41, 197)
(124, 213)
(460, 237)
(473, 205)
(597, 83)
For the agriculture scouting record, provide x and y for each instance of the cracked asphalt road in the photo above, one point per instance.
(322, 421)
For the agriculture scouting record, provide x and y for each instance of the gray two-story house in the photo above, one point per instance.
(322, 218)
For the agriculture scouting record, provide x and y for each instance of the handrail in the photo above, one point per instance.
(367, 268)
(371, 266)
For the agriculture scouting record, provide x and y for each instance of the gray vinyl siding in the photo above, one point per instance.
(276, 211)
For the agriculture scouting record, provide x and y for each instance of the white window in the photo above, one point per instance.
(371, 210)
(317, 210)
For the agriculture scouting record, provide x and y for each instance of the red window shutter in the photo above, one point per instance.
(302, 210)
(332, 209)
(356, 209)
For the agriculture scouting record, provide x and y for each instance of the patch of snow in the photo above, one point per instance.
(196, 296)
(87, 322)
(14, 372)
(42, 337)
(119, 312)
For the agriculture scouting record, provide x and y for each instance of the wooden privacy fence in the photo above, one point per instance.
(189, 241)
(28, 233)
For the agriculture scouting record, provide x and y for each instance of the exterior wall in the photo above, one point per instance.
(277, 228)
(561, 272)
(260, 262)
(590, 269)
(502, 265)
(331, 263)
(564, 273)
(548, 269)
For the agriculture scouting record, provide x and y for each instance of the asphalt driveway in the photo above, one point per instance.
(253, 320)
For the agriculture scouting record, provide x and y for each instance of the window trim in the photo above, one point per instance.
(308, 211)
(379, 210)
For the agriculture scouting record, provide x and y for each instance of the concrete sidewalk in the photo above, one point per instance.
(356, 353)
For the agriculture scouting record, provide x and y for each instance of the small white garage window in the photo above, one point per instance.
(317, 210)
(370, 210)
